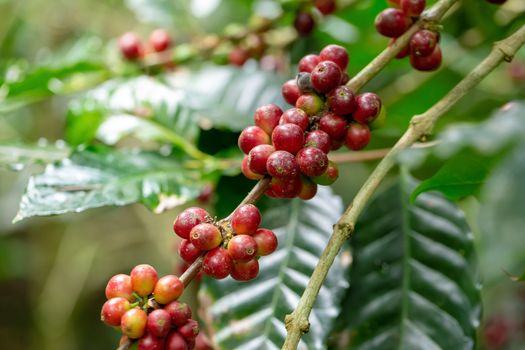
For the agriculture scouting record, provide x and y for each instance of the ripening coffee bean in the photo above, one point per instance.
(150, 342)
(308, 188)
(326, 76)
(312, 161)
(304, 23)
(252, 136)
(357, 136)
(290, 91)
(160, 40)
(304, 83)
(143, 279)
(188, 251)
(341, 100)
(318, 139)
(266, 241)
(245, 271)
(334, 125)
(282, 164)
(368, 106)
(326, 7)
(287, 137)
(168, 289)
(246, 219)
(267, 117)
(205, 236)
(258, 157)
(423, 43)
(120, 286)
(336, 54)
(242, 248)
(412, 8)
(329, 176)
(113, 309)
(175, 341)
(308, 63)
(392, 22)
(159, 323)
(427, 63)
(189, 330)
(284, 188)
(179, 312)
(238, 57)
(217, 263)
(188, 219)
(130, 46)
(133, 323)
(245, 168)
(310, 103)
(295, 116)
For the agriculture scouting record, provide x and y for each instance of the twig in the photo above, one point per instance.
(420, 125)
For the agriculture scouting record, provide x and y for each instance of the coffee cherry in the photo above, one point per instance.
(112, 311)
(242, 248)
(303, 23)
(150, 342)
(412, 8)
(326, 7)
(336, 54)
(284, 188)
(329, 176)
(427, 63)
(247, 172)
(295, 116)
(246, 219)
(308, 188)
(291, 91)
(423, 43)
(133, 323)
(245, 271)
(143, 279)
(345, 78)
(188, 251)
(266, 241)
(287, 137)
(217, 263)
(282, 164)
(120, 286)
(318, 139)
(188, 219)
(336, 144)
(267, 117)
(310, 103)
(368, 106)
(189, 330)
(179, 312)
(334, 125)
(304, 83)
(175, 341)
(341, 100)
(238, 57)
(159, 323)
(202, 342)
(130, 46)
(312, 161)
(168, 289)
(252, 136)
(326, 76)
(205, 236)
(308, 63)
(404, 52)
(258, 157)
(357, 136)
(392, 22)
(160, 40)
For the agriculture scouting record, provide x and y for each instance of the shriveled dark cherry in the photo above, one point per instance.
(258, 157)
(267, 117)
(245, 271)
(336, 54)
(341, 100)
(188, 219)
(159, 323)
(308, 63)
(284, 188)
(179, 312)
(334, 125)
(245, 168)
(217, 263)
(326, 76)
(266, 241)
(120, 286)
(310, 103)
(242, 248)
(329, 176)
(392, 22)
(412, 8)
(160, 40)
(368, 106)
(304, 82)
(143, 279)
(326, 7)
(423, 42)
(427, 63)
(282, 164)
(308, 188)
(113, 310)
(290, 91)
(150, 342)
(295, 116)
(133, 323)
(246, 219)
(168, 289)
(304, 23)
(238, 56)
(205, 236)
(357, 136)
(312, 161)
(252, 136)
(287, 137)
(188, 252)
(130, 46)
(318, 139)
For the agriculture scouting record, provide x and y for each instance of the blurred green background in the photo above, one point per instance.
(53, 270)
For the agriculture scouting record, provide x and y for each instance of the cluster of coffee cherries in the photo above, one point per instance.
(423, 48)
(292, 146)
(146, 309)
(230, 247)
(132, 49)
(304, 21)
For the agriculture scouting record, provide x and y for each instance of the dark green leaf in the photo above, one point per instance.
(413, 278)
(250, 315)
(17, 156)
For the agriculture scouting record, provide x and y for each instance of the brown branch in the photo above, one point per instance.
(297, 323)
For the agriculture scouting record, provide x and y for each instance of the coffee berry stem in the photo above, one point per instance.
(297, 322)
(430, 17)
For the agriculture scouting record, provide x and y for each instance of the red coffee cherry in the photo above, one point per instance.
(175, 341)
(245, 271)
(345, 78)
(150, 342)
(288, 137)
(160, 40)
(291, 91)
(404, 52)
(308, 63)
(252, 136)
(242, 248)
(326, 76)
(295, 116)
(205, 236)
(245, 168)
(413, 8)
(318, 139)
(284, 188)
(341, 100)
(179, 312)
(334, 125)
(326, 7)
(303, 23)
(188, 219)
(168, 289)
(267, 117)
(329, 176)
(159, 323)
(217, 263)
(133, 323)
(202, 342)
(143, 279)
(312, 161)
(188, 251)
(392, 22)
(238, 57)
(120, 286)
(357, 136)
(427, 63)
(282, 164)
(190, 330)
(423, 43)
(246, 219)
(310, 103)
(258, 157)
(336, 54)
(336, 144)
(130, 46)
(368, 106)
(266, 241)
(308, 188)
(113, 310)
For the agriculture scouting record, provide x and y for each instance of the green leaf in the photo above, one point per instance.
(413, 278)
(98, 177)
(250, 315)
(17, 156)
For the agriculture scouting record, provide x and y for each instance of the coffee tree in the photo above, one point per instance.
(282, 110)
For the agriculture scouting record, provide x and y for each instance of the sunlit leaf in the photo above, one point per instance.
(16, 156)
